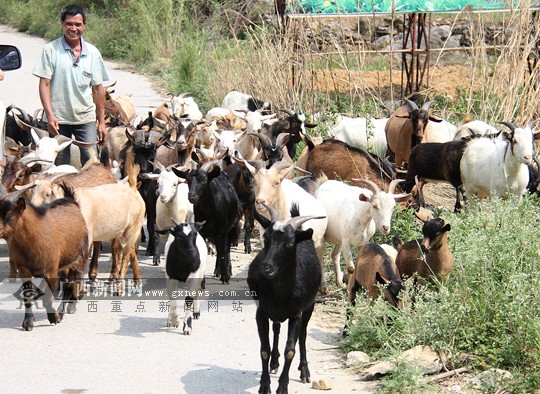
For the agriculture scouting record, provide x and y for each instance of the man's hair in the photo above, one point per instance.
(72, 10)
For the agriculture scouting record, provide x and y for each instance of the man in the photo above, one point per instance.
(71, 74)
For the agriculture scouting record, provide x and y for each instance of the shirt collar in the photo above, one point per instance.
(84, 47)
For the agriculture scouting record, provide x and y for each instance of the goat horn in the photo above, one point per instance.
(309, 174)
(274, 215)
(62, 138)
(282, 139)
(427, 105)
(296, 222)
(511, 125)
(23, 125)
(14, 196)
(393, 185)
(82, 144)
(370, 184)
(412, 105)
(532, 123)
(176, 223)
(265, 140)
(288, 111)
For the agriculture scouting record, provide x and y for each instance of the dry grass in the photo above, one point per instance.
(291, 70)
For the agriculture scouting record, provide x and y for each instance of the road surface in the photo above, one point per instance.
(122, 345)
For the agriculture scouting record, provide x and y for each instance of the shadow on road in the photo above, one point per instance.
(230, 380)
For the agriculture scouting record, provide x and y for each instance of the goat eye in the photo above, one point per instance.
(290, 245)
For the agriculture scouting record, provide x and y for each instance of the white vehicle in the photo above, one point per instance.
(10, 59)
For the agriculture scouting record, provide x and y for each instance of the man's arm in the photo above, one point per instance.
(45, 96)
(98, 94)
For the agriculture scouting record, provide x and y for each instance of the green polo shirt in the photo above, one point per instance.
(71, 82)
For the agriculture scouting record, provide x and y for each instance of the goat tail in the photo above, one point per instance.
(132, 169)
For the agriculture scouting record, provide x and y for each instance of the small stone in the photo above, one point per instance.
(356, 357)
(322, 384)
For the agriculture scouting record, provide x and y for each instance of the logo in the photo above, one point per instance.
(28, 292)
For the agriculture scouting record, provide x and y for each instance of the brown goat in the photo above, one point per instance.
(49, 242)
(374, 266)
(405, 129)
(428, 257)
(340, 161)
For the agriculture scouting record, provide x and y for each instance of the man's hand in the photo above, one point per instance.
(102, 133)
(52, 125)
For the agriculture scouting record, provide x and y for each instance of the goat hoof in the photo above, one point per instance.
(282, 389)
(275, 370)
(71, 308)
(54, 317)
(28, 324)
(264, 389)
(196, 315)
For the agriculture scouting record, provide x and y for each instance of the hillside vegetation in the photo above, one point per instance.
(487, 314)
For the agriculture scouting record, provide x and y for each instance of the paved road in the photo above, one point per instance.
(123, 345)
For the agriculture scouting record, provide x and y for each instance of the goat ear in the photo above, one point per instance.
(63, 146)
(130, 137)
(180, 173)
(364, 197)
(303, 235)
(216, 170)
(446, 228)
(404, 116)
(434, 118)
(199, 225)
(264, 222)
(21, 204)
(380, 279)
(310, 125)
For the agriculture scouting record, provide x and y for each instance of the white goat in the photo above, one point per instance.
(241, 101)
(172, 205)
(185, 107)
(498, 166)
(354, 213)
(271, 188)
(362, 133)
(443, 131)
(475, 127)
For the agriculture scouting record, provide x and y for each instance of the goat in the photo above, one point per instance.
(435, 162)
(273, 150)
(475, 128)
(362, 133)
(534, 177)
(180, 152)
(443, 131)
(216, 203)
(295, 124)
(498, 167)
(185, 261)
(241, 101)
(405, 129)
(49, 242)
(428, 257)
(273, 189)
(337, 160)
(354, 214)
(144, 145)
(173, 205)
(183, 106)
(284, 278)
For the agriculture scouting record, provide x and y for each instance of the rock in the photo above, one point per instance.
(354, 358)
(491, 380)
(322, 384)
(438, 35)
(422, 357)
(378, 370)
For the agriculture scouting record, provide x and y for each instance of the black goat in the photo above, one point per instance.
(434, 161)
(284, 278)
(273, 148)
(144, 145)
(295, 124)
(216, 203)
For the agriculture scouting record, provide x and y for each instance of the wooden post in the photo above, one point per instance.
(414, 60)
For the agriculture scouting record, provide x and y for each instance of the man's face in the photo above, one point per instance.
(73, 27)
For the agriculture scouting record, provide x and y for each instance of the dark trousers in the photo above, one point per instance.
(86, 132)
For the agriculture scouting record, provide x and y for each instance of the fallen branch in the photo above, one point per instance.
(445, 375)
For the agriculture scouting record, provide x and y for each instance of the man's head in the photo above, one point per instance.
(73, 23)
(72, 10)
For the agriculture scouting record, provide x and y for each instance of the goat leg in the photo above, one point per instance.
(263, 328)
(29, 297)
(274, 361)
(292, 337)
(305, 376)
